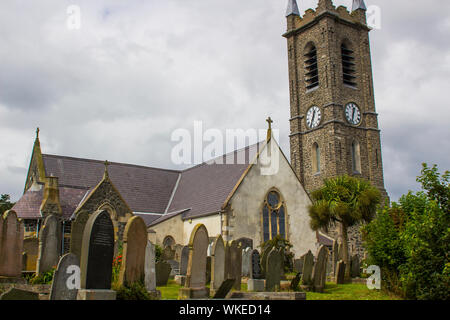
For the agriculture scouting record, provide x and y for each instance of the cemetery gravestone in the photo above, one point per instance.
(77, 231)
(308, 265)
(236, 264)
(49, 244)
(355, 266)
(150, 268)
(163, 270)
(255, 283)
(134, 244)
(97, 254)
(273, 276)
(319, 273)
(224, 289)
(217, 264)
(335, 255)
(245, 242)
(196, 273)
(184, 260)
(246, 261)
(66, 278)
(340, 272)
(19, 294)
(11, 244)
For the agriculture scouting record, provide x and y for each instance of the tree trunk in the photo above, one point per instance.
(344, 235)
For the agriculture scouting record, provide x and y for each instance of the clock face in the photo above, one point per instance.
(352, 113)
(313, 117)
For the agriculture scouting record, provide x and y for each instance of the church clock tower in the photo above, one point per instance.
(333, 125)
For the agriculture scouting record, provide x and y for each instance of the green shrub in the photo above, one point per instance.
(279, 242)
(411, 240)
(135, 291)
(45, 278)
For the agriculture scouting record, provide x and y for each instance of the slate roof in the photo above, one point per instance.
(202, 189)
(28, 206)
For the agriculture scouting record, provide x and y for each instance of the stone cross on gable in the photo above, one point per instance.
(269, 131)
(106, 163)
(37, 132)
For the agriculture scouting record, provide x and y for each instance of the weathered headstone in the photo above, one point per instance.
(97, 254)
(295, 282)
(335, 255)
(340, 272)
(77, 231)
(19, 294)
(195, 286)
(255, 283)
(224, 289)
(11, 244)
(245, 242)
(320, 269)
(163, 270)
(178, 248)
(308, 265)
(273, 275)
(134, 244)
(184, 260)
(49, 244)
(168, 254)
(175, 267)
(355, 266)
(246, 261)
(217, 264)
(150, 267)
(298, 264)
(235, 264)
(66, 278)
(31, 248)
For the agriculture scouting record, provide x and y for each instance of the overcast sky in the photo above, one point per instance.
(137, 70)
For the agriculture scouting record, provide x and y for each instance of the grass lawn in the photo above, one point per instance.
(351, 291)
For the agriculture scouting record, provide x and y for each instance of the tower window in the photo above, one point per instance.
(356, 157)
(274, 216)
(348, 66)
(315, 158)
(311, 68)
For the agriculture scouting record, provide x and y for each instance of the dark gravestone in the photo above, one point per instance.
(175, 265)
(224, 289)
(308, 264)
(295, 282)
(255, 270)
(18, 294)
(163, 270)
(184, 260)
(97, 252)
(298, 264)
(355, 266)
(340, 272)
(62, 287)
(273, 266)
(208, 269)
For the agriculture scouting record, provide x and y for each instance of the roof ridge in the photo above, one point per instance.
(224, 156)
(110, 163)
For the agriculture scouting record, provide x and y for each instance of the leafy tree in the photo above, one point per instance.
(345, 200)
(411, 241)
(5, 203)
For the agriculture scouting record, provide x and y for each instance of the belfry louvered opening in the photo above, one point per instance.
(348, 66)
(311, 69)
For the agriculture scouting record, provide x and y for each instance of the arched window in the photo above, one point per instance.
(315, 158)
(168, 241)
(273, 216)
(356, 157)
(348, 65)
(311, 67)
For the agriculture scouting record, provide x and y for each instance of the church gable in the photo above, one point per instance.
(244, 210)
(36, 169)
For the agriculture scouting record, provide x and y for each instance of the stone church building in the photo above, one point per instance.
(334, 131)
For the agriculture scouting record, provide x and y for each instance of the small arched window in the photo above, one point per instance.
(356, 157)
(274, 216)
(348, 65)
(168, 241)
(311, 67)
(315, 158)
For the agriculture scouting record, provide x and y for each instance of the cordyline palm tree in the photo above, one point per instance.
(345, 200)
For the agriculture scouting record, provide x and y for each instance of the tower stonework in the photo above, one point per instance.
(333, 125)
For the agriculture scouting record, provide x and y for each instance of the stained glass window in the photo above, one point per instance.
(266, 223)
(274, 216)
